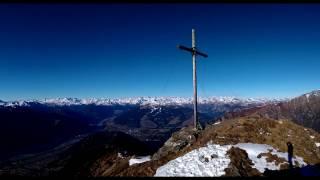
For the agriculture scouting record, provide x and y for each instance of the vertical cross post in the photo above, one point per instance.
(194, 62)
(194, 52)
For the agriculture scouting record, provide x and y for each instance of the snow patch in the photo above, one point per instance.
(120, 155)
(312, 137)
(217, 123)
(221, 137)
(307, 95)
(205, 161)
(254, 150)
(317, 144)
(139, 159)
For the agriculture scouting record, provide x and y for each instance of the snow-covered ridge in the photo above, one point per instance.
(140, 101)
(313, 93)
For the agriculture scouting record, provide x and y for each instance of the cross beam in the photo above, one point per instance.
(193, 50)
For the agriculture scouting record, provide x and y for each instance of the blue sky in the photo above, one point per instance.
(123, 50)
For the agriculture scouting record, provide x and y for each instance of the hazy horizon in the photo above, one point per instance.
(124, 97)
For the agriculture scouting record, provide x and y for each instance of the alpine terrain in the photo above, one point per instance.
(155, 137)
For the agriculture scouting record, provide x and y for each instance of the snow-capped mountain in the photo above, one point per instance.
(303, 110)
(312, 93)
(141, 101)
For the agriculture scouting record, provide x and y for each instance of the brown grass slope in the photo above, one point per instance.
(303, 110)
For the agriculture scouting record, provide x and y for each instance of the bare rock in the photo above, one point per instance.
(240, 164)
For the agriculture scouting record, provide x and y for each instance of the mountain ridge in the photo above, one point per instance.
(303, 110)
(148, 100)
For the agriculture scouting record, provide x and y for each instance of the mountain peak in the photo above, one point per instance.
(314, 93)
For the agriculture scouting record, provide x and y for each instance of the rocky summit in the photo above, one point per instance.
(250, 146)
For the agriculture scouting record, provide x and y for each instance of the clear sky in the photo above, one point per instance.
(123, 50)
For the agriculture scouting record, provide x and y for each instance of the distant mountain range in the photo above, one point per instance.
(138, 101)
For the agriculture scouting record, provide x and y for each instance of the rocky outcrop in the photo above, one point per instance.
(240, 164)
(178, 141)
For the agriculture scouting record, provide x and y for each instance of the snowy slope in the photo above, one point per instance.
(198, 163)
(213, 159)
(254, 150)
